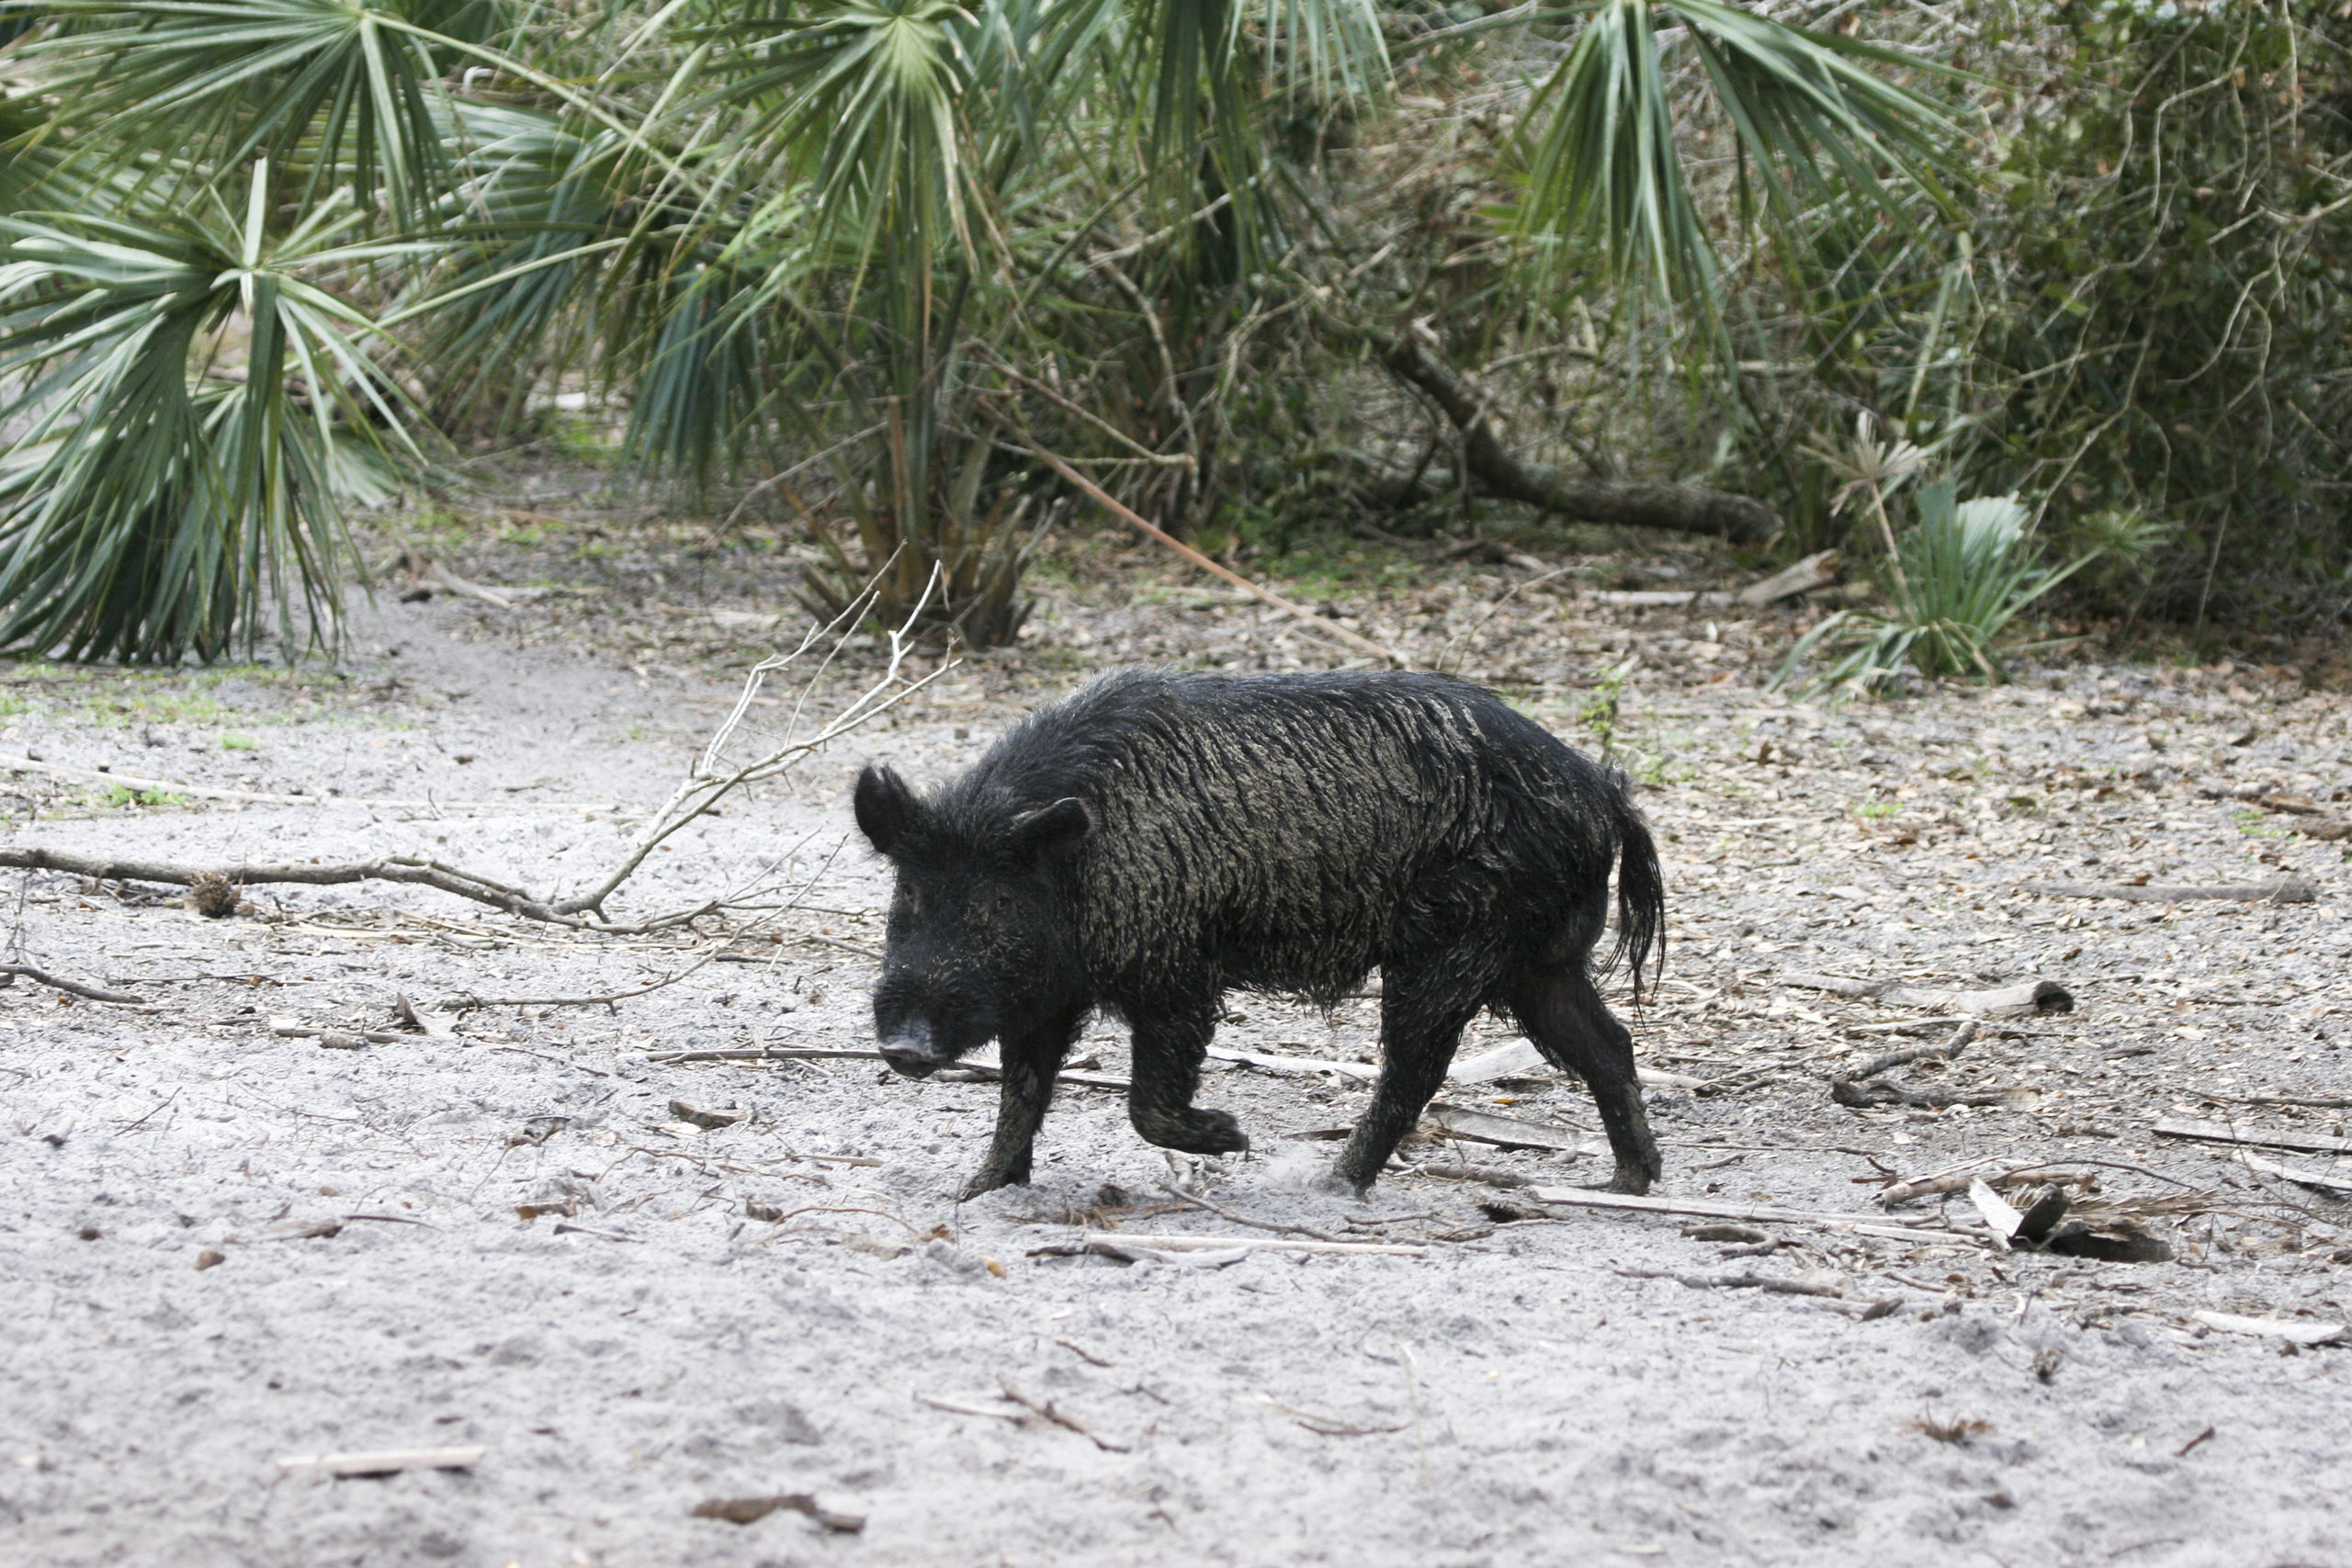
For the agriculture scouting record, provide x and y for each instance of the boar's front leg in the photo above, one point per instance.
(1031, 1060)
(1167, 1045)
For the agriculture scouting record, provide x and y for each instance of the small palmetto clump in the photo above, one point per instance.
(1959, 576)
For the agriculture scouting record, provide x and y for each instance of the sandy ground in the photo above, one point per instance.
(503, 1237)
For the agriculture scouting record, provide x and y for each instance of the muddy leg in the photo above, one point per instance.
(1031, 1060)
(1570, 1024)
(1168, 1045)
(1418, 1034)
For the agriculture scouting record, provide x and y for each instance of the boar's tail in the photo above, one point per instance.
(1640, 896)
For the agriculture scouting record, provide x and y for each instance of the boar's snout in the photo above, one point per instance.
(908, 1050)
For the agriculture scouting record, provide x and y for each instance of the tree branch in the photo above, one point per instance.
(1688, 508)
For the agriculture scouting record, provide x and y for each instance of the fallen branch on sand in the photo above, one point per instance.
(1943, 1050)
(1862, 1224)
(713, 777)
(1044, 1409)
(2268, 1138)
(1744, 1282)
(390, 1462)
(2027, 995)
(1261, 1244)
(71, 987)
(2279, 890)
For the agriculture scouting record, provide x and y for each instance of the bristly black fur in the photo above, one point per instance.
(1159, 839)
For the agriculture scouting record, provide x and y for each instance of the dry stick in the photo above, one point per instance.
(1224, 1213)
(75, 987)
(2051, 1172)
(2028, 996)
(1104, 499)
(416, 870)
(1045, 1408)
(1865, 1224)
(1252, 1243)
(2281, 890)
(2272, 1138)
(705, 785)
(1946, 1050)
(1748, 1281)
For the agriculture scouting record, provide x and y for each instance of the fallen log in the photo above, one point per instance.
(1688, 508)
(2264, 1138)
(388, 1462)
(2026, 997)
(1704, 1208)
(2279, 890)
(1817, 570)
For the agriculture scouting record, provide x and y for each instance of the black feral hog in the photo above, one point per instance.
(1161, 839)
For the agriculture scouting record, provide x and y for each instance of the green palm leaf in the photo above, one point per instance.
(335, 89)
(160, 501)
(1603, 158)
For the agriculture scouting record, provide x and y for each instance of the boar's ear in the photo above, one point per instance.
(1065, 821)
(886, 807)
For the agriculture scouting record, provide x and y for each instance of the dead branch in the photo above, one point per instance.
(2260, 1137)
(710, 780)
(71, 987)
(1707, 1208)
(1224, 1214)
(1817, 570)
(2279, 890)
(1744, 1282)
(2026, 1176)
(1046, 1410)
(1689, 509)
(2029, 996)
(1909, 1053)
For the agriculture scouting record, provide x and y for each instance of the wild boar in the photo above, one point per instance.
(1161, 839)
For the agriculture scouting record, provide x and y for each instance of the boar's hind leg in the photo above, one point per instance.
(1031, 1060)
(1417, 1033)
(1570, 1024)
(1167, 1045)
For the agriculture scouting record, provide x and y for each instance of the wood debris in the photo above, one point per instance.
(2004, 1001)
(1819, 1285)
(2295, 1331)
(751, 1510)
(2279, 890)
(1704, 1208)
(2260, 1137)
(389, 1461)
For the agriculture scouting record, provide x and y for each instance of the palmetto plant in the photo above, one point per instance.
(1961, 575)
(846, 248)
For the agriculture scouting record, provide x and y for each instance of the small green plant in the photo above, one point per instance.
(1598, 713)
(120, 798)
(1878, 811)
(1961, 575)
(233, 741)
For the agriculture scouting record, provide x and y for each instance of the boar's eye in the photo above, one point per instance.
(1004, 902)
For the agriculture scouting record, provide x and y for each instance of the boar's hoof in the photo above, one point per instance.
(1630, 1179)
(988, 1179)
(1194, 1131)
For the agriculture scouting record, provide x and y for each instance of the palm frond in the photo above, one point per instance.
(326, 89)
(165, 500)
(1812, 115)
